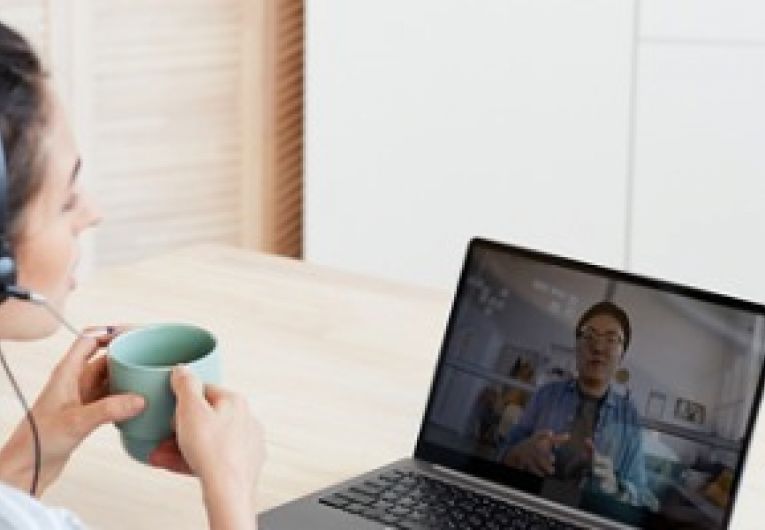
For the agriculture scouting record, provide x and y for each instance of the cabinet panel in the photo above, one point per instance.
(726, 20)
(698, 184)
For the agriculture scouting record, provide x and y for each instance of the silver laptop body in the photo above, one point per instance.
(531, 339)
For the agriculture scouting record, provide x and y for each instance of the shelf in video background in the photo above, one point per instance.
(647, 423)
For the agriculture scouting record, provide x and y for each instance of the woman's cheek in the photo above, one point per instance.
(47, 263)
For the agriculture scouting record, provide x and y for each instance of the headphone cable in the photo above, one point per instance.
(30, 420)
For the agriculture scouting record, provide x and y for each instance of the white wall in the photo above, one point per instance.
(429, 122)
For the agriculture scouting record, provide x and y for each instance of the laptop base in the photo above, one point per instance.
(331, 509)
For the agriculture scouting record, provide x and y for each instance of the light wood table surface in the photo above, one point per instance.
(337, 367)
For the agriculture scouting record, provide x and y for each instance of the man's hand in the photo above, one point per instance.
(73, 403)
(603, 470)
(535, 454)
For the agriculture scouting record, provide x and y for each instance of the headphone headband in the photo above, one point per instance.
(3, 192)
(7, 263)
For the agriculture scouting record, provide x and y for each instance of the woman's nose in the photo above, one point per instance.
(91, 214)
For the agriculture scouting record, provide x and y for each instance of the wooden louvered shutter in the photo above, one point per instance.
(284, 101)
(188, 113)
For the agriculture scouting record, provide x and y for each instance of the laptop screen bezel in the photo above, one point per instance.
(479, 467)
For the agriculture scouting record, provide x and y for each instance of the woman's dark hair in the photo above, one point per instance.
(23, 117)
(612, 310)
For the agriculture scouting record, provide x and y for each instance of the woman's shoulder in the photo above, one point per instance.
(20, 510)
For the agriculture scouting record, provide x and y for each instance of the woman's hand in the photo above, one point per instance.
(218, 440)
(73, 403)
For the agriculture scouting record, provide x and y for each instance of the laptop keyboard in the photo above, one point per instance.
(412, 501)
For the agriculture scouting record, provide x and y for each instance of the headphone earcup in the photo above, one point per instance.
(7, 269)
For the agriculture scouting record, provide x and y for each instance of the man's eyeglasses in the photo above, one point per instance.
(592, 337)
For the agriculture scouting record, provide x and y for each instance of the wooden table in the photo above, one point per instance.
(337, 366)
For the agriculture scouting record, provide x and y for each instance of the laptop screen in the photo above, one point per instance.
(618, 395)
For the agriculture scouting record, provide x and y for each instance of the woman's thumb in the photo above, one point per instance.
(186, 385)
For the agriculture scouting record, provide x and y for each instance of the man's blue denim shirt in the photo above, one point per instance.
(617, 435)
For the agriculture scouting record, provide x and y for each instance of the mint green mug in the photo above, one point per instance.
(140, 362)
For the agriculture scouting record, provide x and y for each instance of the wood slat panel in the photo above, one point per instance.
(286, 99)
(173, 172)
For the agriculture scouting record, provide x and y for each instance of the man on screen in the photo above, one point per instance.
(581, 431)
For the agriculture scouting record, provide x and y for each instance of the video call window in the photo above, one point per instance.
(622, 399)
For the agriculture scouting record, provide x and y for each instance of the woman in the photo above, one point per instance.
(216, 440)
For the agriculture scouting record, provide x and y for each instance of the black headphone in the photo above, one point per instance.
(7, 261)
(8, 288)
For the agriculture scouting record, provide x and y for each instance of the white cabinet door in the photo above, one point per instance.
(429, 122)
(699, 184)
(712, 21)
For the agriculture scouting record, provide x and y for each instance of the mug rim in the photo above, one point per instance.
(151, 327)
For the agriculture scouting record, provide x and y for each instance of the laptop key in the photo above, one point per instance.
(336, 501)
(354, 508)
(390, 476)
(389, 519)
(383, 505)
(375, 485)
(390, 496)
(475, 520)
(400, 511)
(365, 490)
(408, 481)
(359, 498)
(416, 515)
(407, 501)
(373, 513)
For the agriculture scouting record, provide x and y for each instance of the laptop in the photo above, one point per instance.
(568, 395)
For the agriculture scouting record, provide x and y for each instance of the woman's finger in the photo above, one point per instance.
(110, 409)
(218, 397)
(91, 340)
(84, 347)
(187, 387)
(93, 377)
(113, 332)
(167, 455)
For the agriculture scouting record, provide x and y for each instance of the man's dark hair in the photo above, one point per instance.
(612, 310)
(24, 109)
